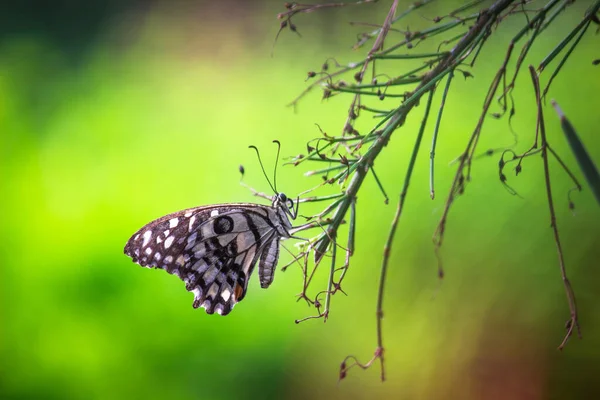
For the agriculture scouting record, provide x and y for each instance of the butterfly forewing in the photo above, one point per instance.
(213, 249)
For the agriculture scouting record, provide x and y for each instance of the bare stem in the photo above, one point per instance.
(573, 322)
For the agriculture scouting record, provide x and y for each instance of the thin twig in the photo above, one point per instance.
(573, 322)
(435, 135)
(458, 182)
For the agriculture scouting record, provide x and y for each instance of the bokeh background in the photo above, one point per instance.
(115, 113)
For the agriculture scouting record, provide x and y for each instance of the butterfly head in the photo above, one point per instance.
(285, 204)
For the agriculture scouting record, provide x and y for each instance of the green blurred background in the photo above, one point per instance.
(115, 113)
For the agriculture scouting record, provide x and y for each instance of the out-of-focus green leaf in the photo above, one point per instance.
(583, 158)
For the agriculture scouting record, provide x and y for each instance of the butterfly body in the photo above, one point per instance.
(214, 249)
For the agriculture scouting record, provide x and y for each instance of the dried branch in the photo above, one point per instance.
(346, 159)
(573, 322)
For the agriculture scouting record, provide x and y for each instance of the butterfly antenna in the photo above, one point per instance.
(263, 168)
(276, 162)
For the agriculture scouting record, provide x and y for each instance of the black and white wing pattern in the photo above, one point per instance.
(214, 249)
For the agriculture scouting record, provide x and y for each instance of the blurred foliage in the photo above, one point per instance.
(156, 115)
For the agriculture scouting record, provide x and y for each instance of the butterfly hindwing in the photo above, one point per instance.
(212, 249)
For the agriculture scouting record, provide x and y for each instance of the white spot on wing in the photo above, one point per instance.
(157, 256)
(158, 239)
(168, 259)
(192, 220)
(197, 292)
(169, 241)
(180, 260)
(148, 250)
(187, 214)
(147, 236)
(214, 213)
(214, 289)
(226, 294)
(173, 222)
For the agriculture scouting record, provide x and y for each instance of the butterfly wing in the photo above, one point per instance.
(213, 249)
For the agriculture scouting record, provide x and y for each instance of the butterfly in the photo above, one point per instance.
(214, 249)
